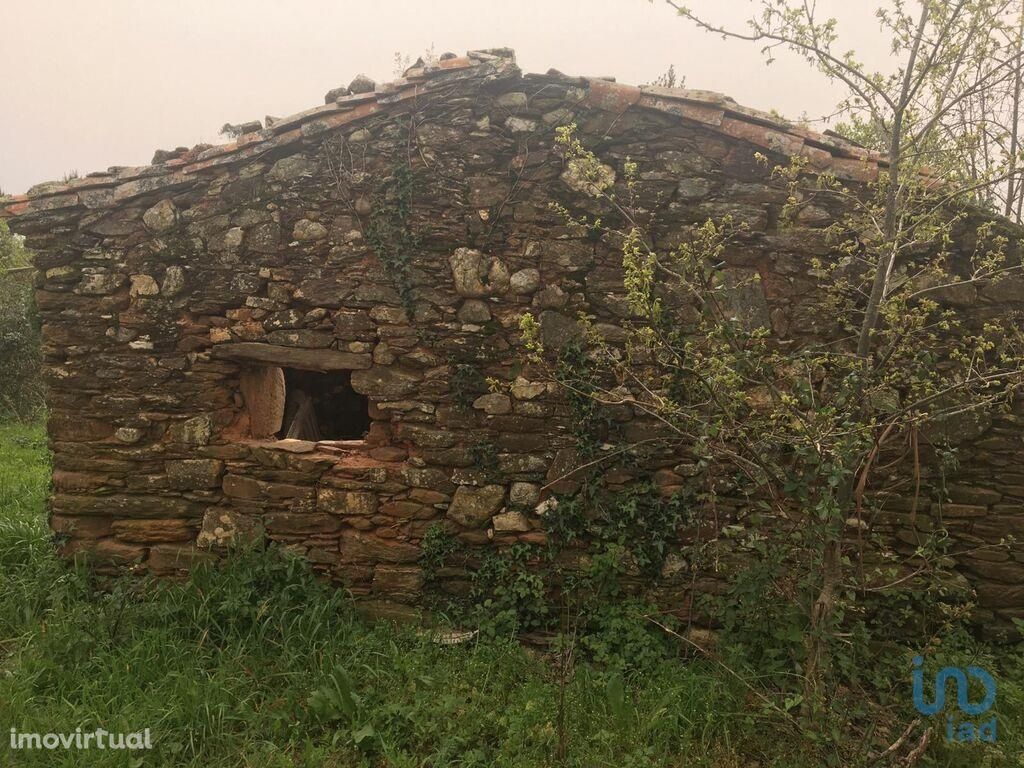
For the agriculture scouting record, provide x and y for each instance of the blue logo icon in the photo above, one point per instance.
(966, 730)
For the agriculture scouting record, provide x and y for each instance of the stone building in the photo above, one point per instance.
(311, 334)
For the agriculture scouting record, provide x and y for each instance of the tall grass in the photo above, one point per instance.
(259, 664)
(223, 668)
(21, 388)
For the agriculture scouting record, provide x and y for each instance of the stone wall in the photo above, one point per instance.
(172, 294)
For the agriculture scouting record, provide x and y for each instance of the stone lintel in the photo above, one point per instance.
(321, 360)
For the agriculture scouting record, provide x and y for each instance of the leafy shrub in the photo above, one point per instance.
(619, 639)
(20, 383)
(511, 593)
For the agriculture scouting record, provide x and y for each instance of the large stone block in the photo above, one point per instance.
(493, 404)
(191, 474)
(525, 495)
(477, 275)
(564, 474)
(222, 527)
(161, 217)
(300, 524)
(360, 547)
(511, 522)
(291, 168)
(154, 531)
(194, 431)
(120, 505)
(397, 580)
(242, 487)
(81, 527)
(525, 281)
(385, 382)
(292, 357)
(263, 389)
(557, 330)
(66, 481)
(77, 427)
(111, 552)
(341, 502)
(474, 507)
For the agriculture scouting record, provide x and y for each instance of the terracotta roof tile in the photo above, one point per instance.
(613, 97)
(854, 170)
(755, 133)
(459, 62)
(712, 110)
(818, 159)
(285, 123)
(701, 113)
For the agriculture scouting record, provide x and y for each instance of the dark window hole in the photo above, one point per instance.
(323, 406)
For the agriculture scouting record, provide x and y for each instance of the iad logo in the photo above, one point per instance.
(965, 730)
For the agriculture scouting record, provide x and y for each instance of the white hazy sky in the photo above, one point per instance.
(85, 84)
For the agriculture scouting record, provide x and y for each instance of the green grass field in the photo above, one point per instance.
(257, 664)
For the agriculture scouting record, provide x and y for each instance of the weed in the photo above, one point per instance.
(257, 662)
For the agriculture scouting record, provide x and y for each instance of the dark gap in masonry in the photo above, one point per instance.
(323, 406)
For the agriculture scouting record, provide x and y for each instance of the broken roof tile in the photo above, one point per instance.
(755, 133)
(613, 97)
(701, 113)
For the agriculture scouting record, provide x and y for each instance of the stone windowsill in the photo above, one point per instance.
(308, 446)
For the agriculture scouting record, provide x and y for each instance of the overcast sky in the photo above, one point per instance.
(86, 84)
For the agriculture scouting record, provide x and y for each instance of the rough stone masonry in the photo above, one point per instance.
(273, 339)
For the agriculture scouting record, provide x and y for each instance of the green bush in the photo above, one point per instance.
(21, 392)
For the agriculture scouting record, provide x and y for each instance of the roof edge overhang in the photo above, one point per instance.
(717, 112)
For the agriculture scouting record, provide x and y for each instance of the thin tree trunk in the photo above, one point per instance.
(821, 613)
(885, 264)
(1012, 186)
(831, 566)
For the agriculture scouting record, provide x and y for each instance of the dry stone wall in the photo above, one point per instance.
(397, 234)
